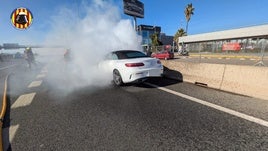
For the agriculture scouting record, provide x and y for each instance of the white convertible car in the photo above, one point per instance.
(127, 66)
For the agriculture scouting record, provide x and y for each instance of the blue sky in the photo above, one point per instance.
(209, 15)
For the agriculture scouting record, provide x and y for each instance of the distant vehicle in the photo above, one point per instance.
(250, 47)
(130, 66)
(163, 55)
(18, 55)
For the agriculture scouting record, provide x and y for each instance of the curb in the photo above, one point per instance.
(243, 80)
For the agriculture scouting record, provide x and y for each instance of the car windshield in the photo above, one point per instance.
(130, 54)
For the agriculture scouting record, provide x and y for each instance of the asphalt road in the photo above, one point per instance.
(6, 68)
(132, 117)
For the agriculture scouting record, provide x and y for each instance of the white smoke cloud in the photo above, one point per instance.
(90, 32)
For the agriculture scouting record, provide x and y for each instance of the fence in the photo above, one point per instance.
(244, 51)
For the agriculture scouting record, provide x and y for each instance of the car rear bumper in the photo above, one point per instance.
(156, 72)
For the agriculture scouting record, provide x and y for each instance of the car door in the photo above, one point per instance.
(161, 55)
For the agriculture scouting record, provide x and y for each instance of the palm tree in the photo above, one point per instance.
(189, 11)
(154, 38)
(178, 34)
(155, 41)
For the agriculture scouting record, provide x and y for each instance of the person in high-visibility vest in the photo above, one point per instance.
(29, 56)
(67, 55)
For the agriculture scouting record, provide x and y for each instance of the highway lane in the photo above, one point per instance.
(8, 67)
(133, 117)
(18, 68)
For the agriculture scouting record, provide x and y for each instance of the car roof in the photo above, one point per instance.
(125, 50)
(128, 54)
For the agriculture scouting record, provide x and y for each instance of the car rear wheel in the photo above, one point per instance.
(117, 78)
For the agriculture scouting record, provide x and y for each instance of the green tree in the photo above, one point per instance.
(178, 34)
(188, 12)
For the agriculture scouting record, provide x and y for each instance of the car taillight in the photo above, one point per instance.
(134, 64)
(158, 62)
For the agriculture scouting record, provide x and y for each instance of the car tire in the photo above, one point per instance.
(117, 79)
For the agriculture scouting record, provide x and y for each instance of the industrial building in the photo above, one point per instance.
(250, 39)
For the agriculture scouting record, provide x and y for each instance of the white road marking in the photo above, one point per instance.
(40, 76)
(23, 100)
(35, 84)
(217, 107)
(44, 70)
(11, 131)
(8, 67)
(9, 134)
(242, 59)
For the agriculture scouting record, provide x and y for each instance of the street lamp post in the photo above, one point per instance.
(135, 23)
(173, 46)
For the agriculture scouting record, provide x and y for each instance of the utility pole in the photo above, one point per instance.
(135, 23)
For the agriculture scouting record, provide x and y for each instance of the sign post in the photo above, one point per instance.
(134, 8)
(135, 23)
